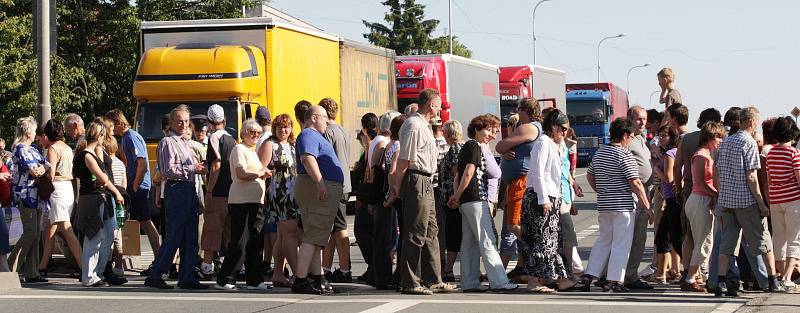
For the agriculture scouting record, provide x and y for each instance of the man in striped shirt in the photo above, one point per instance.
(614, 175)
(741, 207)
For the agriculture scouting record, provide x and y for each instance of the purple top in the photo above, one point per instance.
(665, 186)
(492, 172)
(175, 158)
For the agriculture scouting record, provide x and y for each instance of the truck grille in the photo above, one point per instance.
(587, 142)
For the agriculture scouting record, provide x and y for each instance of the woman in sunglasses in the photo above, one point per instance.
(244, 209)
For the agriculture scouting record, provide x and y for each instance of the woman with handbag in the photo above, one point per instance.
(95, 210)
(27, 168)
(62, 197)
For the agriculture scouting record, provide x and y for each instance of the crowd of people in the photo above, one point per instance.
(268, 206)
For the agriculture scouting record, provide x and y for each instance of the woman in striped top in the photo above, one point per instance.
(614, 175)
(783, 164)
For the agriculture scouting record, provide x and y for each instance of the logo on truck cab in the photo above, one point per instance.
(407, 85)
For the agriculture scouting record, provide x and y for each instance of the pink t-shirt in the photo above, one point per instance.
(708, 174)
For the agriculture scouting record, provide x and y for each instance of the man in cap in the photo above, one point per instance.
(215, 212)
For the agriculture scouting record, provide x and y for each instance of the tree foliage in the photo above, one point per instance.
(408, 32)
(95, 64)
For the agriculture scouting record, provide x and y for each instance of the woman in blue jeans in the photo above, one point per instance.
(471, 196)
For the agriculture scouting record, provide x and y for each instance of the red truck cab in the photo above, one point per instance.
(515, 84)
(414, 74)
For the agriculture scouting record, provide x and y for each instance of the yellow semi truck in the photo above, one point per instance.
(242, 64)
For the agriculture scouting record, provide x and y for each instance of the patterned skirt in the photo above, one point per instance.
(539, 238)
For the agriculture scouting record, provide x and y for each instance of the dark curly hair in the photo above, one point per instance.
(784, 130)
(482, 122)
(54, 130)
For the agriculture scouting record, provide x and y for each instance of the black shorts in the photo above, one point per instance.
(340, 223)
(140, 209)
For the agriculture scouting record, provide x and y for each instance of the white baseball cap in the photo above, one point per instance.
(216, 114)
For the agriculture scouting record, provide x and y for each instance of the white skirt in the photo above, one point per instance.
(61, 202)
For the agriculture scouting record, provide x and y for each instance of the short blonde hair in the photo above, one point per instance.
(666, 73)
(248, 125)
(26, 129)
(454, 130)
(117, 117)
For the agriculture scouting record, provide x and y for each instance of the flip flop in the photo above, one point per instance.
(542, 290)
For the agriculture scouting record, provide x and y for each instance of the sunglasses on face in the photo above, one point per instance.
(254, 133)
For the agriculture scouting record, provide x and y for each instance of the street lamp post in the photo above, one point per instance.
(651, 97)
(533, 27)
(628, 78)
(598, 52)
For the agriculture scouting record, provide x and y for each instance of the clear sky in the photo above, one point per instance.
(724, 53)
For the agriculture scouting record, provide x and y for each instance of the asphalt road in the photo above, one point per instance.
(67, 295)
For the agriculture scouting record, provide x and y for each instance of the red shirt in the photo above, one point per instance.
(5, 188)
(781, 163)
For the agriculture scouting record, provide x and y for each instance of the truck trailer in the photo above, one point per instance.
(591, 108)
(367, 86)
(541, 83)
(468, 88)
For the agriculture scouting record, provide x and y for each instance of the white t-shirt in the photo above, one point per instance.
(373, 144)
(264, 136)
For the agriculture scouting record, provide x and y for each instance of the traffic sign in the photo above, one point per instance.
(795, 112)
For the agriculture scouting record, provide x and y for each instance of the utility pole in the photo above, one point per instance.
(43, 60)
(533, 28)
(450, 23)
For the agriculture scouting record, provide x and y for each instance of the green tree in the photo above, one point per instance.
(408, 32)
(72, 87)
(169, 10)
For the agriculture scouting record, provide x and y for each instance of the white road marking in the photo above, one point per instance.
(728, 307)
(392, 307)
(396, 303)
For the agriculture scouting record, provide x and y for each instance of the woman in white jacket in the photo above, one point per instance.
(540, 210)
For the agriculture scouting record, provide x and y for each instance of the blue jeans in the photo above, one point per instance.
(478, 240)
(97, 251)
(182, 216)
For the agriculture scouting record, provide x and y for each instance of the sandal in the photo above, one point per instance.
(542, 290)
(443, 288)
(419, 290)
(571, 285)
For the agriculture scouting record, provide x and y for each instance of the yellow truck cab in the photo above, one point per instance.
(240, 64)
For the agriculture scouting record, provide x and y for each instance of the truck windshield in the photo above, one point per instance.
(587, 112)
(151, 113)
(507, 107)
(402, 103)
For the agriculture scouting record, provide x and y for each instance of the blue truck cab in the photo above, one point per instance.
(591, 109)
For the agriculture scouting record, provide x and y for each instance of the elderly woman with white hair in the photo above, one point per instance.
(244, 208)
(28, 166)
(453, 134)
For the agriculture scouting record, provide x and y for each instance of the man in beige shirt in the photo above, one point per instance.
(415, 166)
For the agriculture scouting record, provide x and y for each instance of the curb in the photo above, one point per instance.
(9, 281)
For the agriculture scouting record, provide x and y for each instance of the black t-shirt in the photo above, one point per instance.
(81, 171)
(477, 189)
(224, 181)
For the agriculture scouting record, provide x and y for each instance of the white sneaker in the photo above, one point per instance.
(226, 287)
(261, 287)
(506, 287)
(207, 269)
